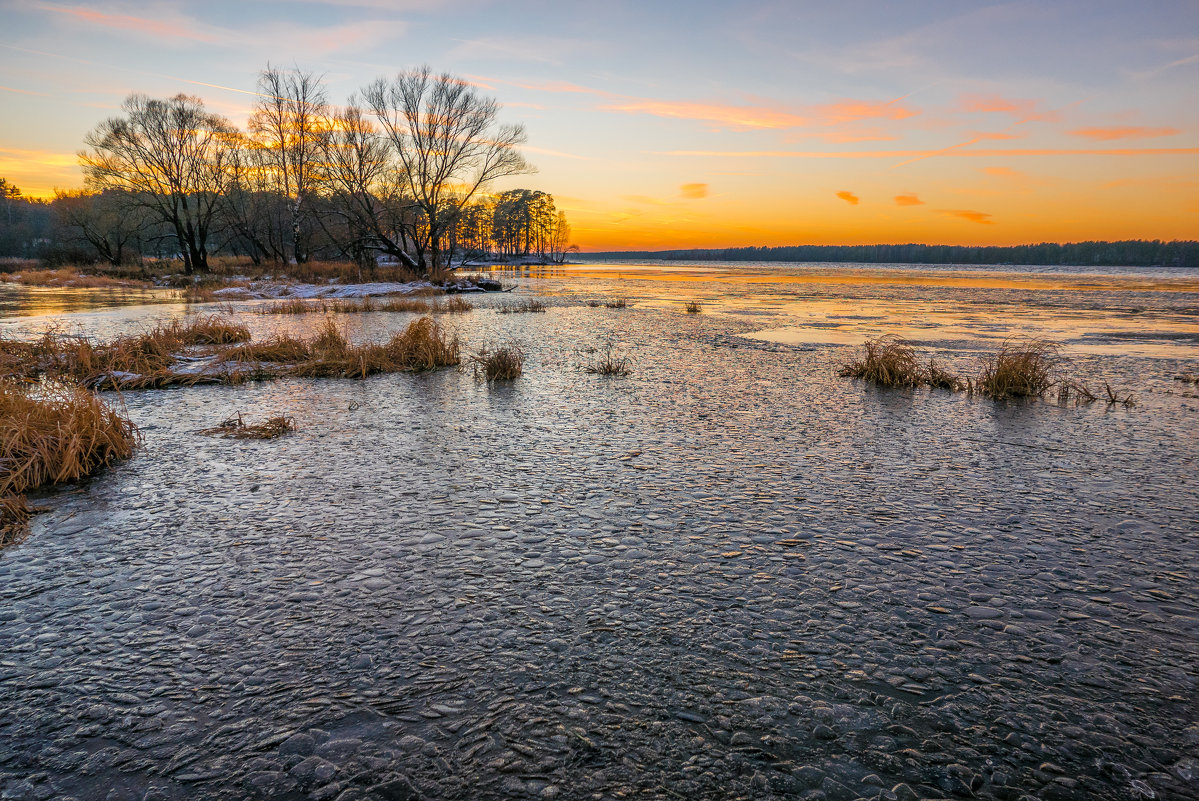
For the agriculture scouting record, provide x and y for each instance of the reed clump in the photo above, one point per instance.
(50, 435)
(523, 307)
(423, 345)
(693, 307)
(238, 428)
(618, 303)
(1024, 369)
(609, 363)
(503, 363)
(888, 361)
(278, 349)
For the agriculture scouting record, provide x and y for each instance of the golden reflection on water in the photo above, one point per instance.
(36, 301)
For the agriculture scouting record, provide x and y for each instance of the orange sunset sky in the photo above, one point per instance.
(661, 125)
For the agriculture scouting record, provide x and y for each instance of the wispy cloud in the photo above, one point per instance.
(742, 117)
(849, 197)
(313, 40)
(888, 154)
(168, 29)
(980, 217)
(908, 199)
(1123, 132)
(1022, 110)
(694, 191)
(22, 91)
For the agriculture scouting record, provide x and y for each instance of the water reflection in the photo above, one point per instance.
(33, 301)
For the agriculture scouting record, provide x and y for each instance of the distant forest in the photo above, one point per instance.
(1130, 253)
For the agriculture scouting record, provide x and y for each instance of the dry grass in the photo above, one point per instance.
(1074, 391)
(454, 305)
(693, 307)
(278, 349)
(72, 277)
(500, 364)
(522, 307)
(888, 361)
(134, 361)
(593, 303)
(237, 428)
(618, 303)
(1187, 378)
(609, 363)
(424, 345)
(50, 435)
(1024, 369)
(938, 377)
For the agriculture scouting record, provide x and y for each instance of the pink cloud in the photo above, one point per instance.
(1123, 132)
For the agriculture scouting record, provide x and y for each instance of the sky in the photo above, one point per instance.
(700, 124)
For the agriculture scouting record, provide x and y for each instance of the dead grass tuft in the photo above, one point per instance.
(1024, 369)
(938, 377)
(609, 363)
(618, 303)
(888, 361)
(50, 435)
(237, 428)
(501, 364)
(279, 349)
(693, 307)
(424, 345)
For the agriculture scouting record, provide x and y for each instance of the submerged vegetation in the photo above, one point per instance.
(693, 307)
(238, 428)
(503, 363)
(610, 363)
(51, 435)
(521, 307)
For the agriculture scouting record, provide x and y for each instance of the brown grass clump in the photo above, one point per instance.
(423, 345)
(279, 349)
(692, 307)
(938, 377)
(207, 330)
(293, 306)
(618, 303)
(1025, 369)
(522, 307)
(71, 277)
(237, 428)
(609, 363)
(888, 361)
(1187, 378)
(593, 303)
(454, 305)
(406, 305)
(501, 364)
(50, 436)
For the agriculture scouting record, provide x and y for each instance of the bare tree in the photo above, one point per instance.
(364, 191)
(289, 121)
(447, 143)
(110, 222)
(172, 156)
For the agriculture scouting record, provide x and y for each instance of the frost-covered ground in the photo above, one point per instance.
(730, 575)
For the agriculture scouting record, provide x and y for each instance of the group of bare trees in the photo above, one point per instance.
(402, 171)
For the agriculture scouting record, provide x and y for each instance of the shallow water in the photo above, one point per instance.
(731, 574)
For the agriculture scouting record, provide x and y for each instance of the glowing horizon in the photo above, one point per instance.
(756, 125)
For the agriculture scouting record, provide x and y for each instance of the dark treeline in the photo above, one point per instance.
(1131, 253)
(400, 173)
